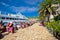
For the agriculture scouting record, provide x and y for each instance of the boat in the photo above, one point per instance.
(18, 17)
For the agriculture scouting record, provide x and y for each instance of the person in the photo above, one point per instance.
(15, 26)
(1, 29)
(21, 25)
(42, 23)
(10, 27)
(1, 26)
(5, 24)
(26, 24)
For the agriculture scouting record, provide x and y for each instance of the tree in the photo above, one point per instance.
(45, 9)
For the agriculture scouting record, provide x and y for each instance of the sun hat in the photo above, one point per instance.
(10, 22)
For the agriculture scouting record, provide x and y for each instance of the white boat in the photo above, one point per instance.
(13, 17)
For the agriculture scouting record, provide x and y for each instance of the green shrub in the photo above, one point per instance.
(57, 18)
(55, 25)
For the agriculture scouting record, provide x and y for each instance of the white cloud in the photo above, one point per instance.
(4, 4)
(32, 2)
(24, 9)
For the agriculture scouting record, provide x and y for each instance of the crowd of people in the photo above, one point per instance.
(6, 27)
(12, 27)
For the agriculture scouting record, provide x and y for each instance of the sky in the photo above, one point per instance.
(29, 8)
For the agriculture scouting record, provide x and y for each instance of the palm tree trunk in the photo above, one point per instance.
(48, 16)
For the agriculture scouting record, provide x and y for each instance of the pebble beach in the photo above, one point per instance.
(34, 32)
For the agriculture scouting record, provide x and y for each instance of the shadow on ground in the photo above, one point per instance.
(1, 36)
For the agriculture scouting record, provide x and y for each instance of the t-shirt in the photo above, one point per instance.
(5, 24)
(14, 25)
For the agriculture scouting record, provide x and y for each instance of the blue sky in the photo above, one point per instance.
(26, 7)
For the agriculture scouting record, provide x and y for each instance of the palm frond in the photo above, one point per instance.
(49, 9)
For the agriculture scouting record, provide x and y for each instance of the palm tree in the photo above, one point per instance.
(46, 10)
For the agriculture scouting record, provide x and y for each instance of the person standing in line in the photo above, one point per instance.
(21, 25)
(5, 25)
(1, 27)
(15, 26)
(10, 27)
